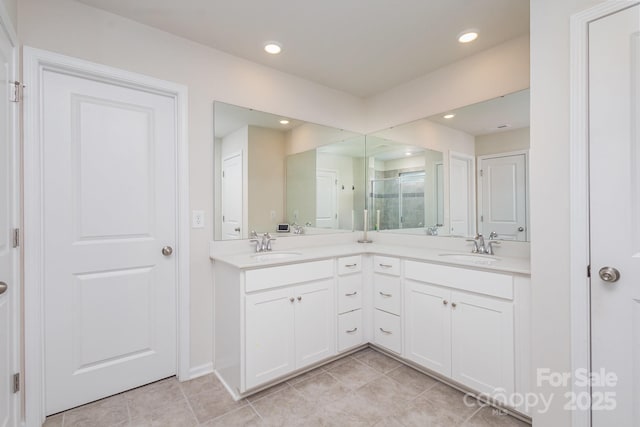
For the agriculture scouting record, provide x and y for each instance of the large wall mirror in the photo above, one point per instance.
(272, 170)
(457, 173)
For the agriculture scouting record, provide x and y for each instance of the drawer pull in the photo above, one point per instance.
(350, 331)
(385, 295)
(351, 294)
(385, 265)
(385, 332)
(350, 265)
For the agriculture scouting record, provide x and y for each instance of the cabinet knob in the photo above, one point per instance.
(454, 305)
(299, 298)
(445, 302)
(292, 299)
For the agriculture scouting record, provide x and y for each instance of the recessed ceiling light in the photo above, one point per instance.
(273, 48)
(467, 36)
(449, 116)
(284, 122)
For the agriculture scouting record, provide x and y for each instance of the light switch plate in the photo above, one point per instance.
(197, 219)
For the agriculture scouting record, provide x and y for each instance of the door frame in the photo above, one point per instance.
(35, 62)
(14, 216)
(479, 161)
(579, 192)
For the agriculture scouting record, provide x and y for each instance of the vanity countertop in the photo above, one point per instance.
(502, 263)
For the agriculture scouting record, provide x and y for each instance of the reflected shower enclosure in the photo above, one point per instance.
(400, 201)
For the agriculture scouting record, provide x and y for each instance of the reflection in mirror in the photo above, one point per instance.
(269, 173)
(403, 187)
(475, 177)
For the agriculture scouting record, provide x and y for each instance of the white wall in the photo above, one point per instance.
(74, 29)
(549, 165)
(486, 75)
(503, 142)
(11, 7)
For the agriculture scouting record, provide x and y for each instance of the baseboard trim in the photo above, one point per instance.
(198, 371)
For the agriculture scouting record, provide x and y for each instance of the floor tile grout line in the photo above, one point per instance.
(189, 403)
(256, 411)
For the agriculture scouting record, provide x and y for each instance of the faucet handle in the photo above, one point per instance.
(490, 244)
(475, 245)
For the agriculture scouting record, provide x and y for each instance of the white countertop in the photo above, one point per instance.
(249, 261)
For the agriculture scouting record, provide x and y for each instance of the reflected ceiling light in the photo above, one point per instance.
(449, 116)
(467, 36)
(284, 122)
(273, 48)
(408, 153)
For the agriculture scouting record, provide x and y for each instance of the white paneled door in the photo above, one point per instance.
(232, 198)
(326, 198)
(109, 185)
(614, 126)
(8, 254)
(503, 196)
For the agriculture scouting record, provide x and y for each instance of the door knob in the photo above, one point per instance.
(3, 287)
(167, 251)
(520, 229)
(609, 274)
(237, 229)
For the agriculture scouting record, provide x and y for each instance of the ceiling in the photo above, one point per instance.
(229, 118)
(362, 47)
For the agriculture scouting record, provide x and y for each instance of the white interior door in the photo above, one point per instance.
(109, 169)
(461, 191)
(326, 199)
(8, 254)
(614, 123)
(232, 210)
(503, 197)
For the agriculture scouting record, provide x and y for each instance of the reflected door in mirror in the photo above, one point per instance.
(326, 199)
(502, 196)
(232, 197)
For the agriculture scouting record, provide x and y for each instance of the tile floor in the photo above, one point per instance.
(364, 389)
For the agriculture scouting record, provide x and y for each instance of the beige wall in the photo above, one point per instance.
(301, 188)
(550, 221)
(266, 178)
(502, 142)
(71, 28)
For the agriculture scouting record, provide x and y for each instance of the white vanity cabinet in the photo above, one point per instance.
(467, 336)
(387, 302)
(350, 297)
(288, 329)
(272, 321)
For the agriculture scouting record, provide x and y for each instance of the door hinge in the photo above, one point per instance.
(222, 218)
(481, 172)
(16, 91)
(481, 218)
(589, 270)
(16, 383)
(223, 174)
(16, 237)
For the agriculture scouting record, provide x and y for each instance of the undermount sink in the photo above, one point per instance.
(472, 258)
(271, 256)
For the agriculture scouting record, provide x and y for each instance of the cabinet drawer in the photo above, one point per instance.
(386, 293)
(387, 331)
(349, 264)
(283, 275)
(349, 293)
(350, 332)
(481, 282)
(386, 265)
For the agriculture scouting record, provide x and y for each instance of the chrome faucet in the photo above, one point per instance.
(433, 230)
(263, 243)
(482, 247)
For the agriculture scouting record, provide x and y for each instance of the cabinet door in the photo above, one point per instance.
(428, 326)
(315, 314)
(269, 326)
(482, 342)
